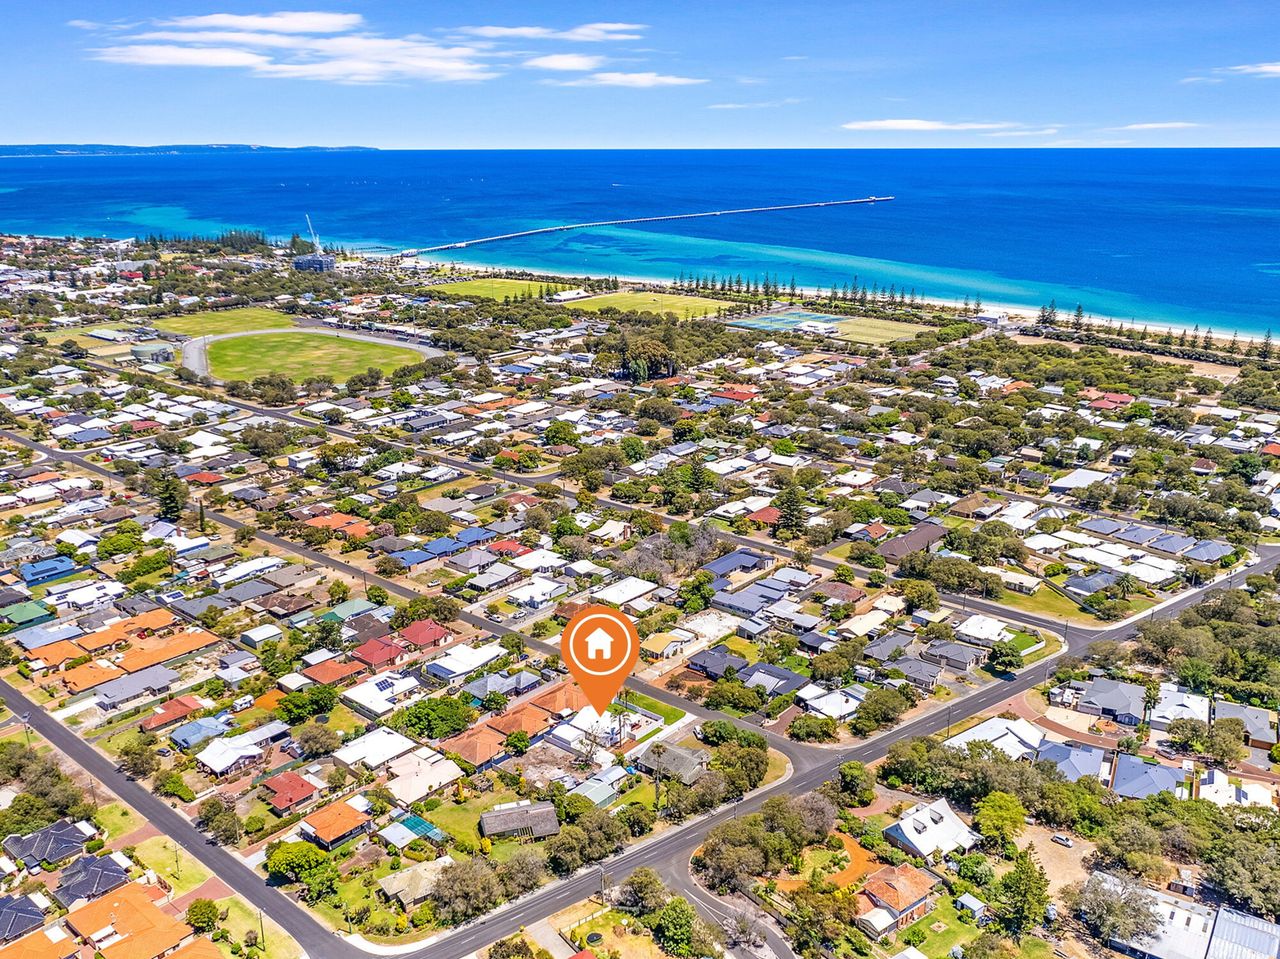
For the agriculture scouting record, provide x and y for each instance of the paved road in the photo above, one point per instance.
(316, 940)
(195, 352)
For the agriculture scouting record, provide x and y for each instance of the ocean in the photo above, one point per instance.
(1180, 236)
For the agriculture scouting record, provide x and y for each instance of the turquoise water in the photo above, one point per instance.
(1185, 236)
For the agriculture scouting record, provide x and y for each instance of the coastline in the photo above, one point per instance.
(1102, 323)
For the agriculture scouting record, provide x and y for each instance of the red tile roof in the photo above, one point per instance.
(288, 789)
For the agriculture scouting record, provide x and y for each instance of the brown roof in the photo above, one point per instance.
(477, 745)
(335, 821)
(144, 930)
(171, 712)
(527, 717)
(288, 789)
(899, 887)
(560, 697)
(332, 671)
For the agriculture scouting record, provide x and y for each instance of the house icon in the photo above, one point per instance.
(599, 645)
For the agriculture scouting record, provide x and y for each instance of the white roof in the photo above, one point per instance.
(927, 829)
(1016, 738)
(374, 749)
(624, 591)
(461, 660)
(420, 773)
(983, 628)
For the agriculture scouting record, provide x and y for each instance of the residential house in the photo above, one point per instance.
(334, 825)
(523, 819)
(894, 897)
(931, 830)
(1134, 778)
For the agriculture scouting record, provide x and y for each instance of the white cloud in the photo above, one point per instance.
(565, 61)
(1201, 80)
(918, 126)
(757, 105)
(161, 55)
(307, 46)
(587, 32)
(1162, 125)
(1045, 132)
(1271, 69)
(286, 22)
(342, 48)
(633, 80)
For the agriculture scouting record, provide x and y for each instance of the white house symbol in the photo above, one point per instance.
(599, 645)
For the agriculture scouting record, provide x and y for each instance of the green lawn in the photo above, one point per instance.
(183, 873)
(216, 322)
(343, 720)
(957, 933)
(681, 306)
(1046, 602)
(497, 288)
(462, 820)
(302, 354)
(1034, 948)
(642, 794)
(116, 820)
(743, 647)
(669, 714)
(241, 918)
(872, 330)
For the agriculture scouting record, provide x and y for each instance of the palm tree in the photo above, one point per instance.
(1125, 584)
(656, 752)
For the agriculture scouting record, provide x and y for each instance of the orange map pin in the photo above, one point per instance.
(600, 645)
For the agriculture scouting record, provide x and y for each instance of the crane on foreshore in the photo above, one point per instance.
(639, 219)
(315, 237)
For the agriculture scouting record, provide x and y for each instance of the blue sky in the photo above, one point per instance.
(725, 73)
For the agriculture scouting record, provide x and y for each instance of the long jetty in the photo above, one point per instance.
(640, 219)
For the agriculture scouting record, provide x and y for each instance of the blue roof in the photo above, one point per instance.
(476, 534)
(44, 568)
(1208, 551)
(412, 557)
(1135, 779)
(444, 546)
(732, 562)
(1074, 762)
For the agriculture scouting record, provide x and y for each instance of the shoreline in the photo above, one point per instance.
(1101, 323)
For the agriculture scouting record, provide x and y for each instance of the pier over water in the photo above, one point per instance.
(640, 219)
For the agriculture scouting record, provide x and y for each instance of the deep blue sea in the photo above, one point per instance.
(1185, 236)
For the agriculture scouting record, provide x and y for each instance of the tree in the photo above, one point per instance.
(790, 506)
(517, 743)
(1225, 744)
(226, 828)
(643, 891)
(673, 929)
(1023, 894)
(203, 915)
(695, 593)
(293, 861)
(1188, 734)
(1114, 907)
(857, 784)
(139, 760)
(1004, 656)
(1000, 818)
(920, 595)
(169, 492)
(466, 889)
(317, 740)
